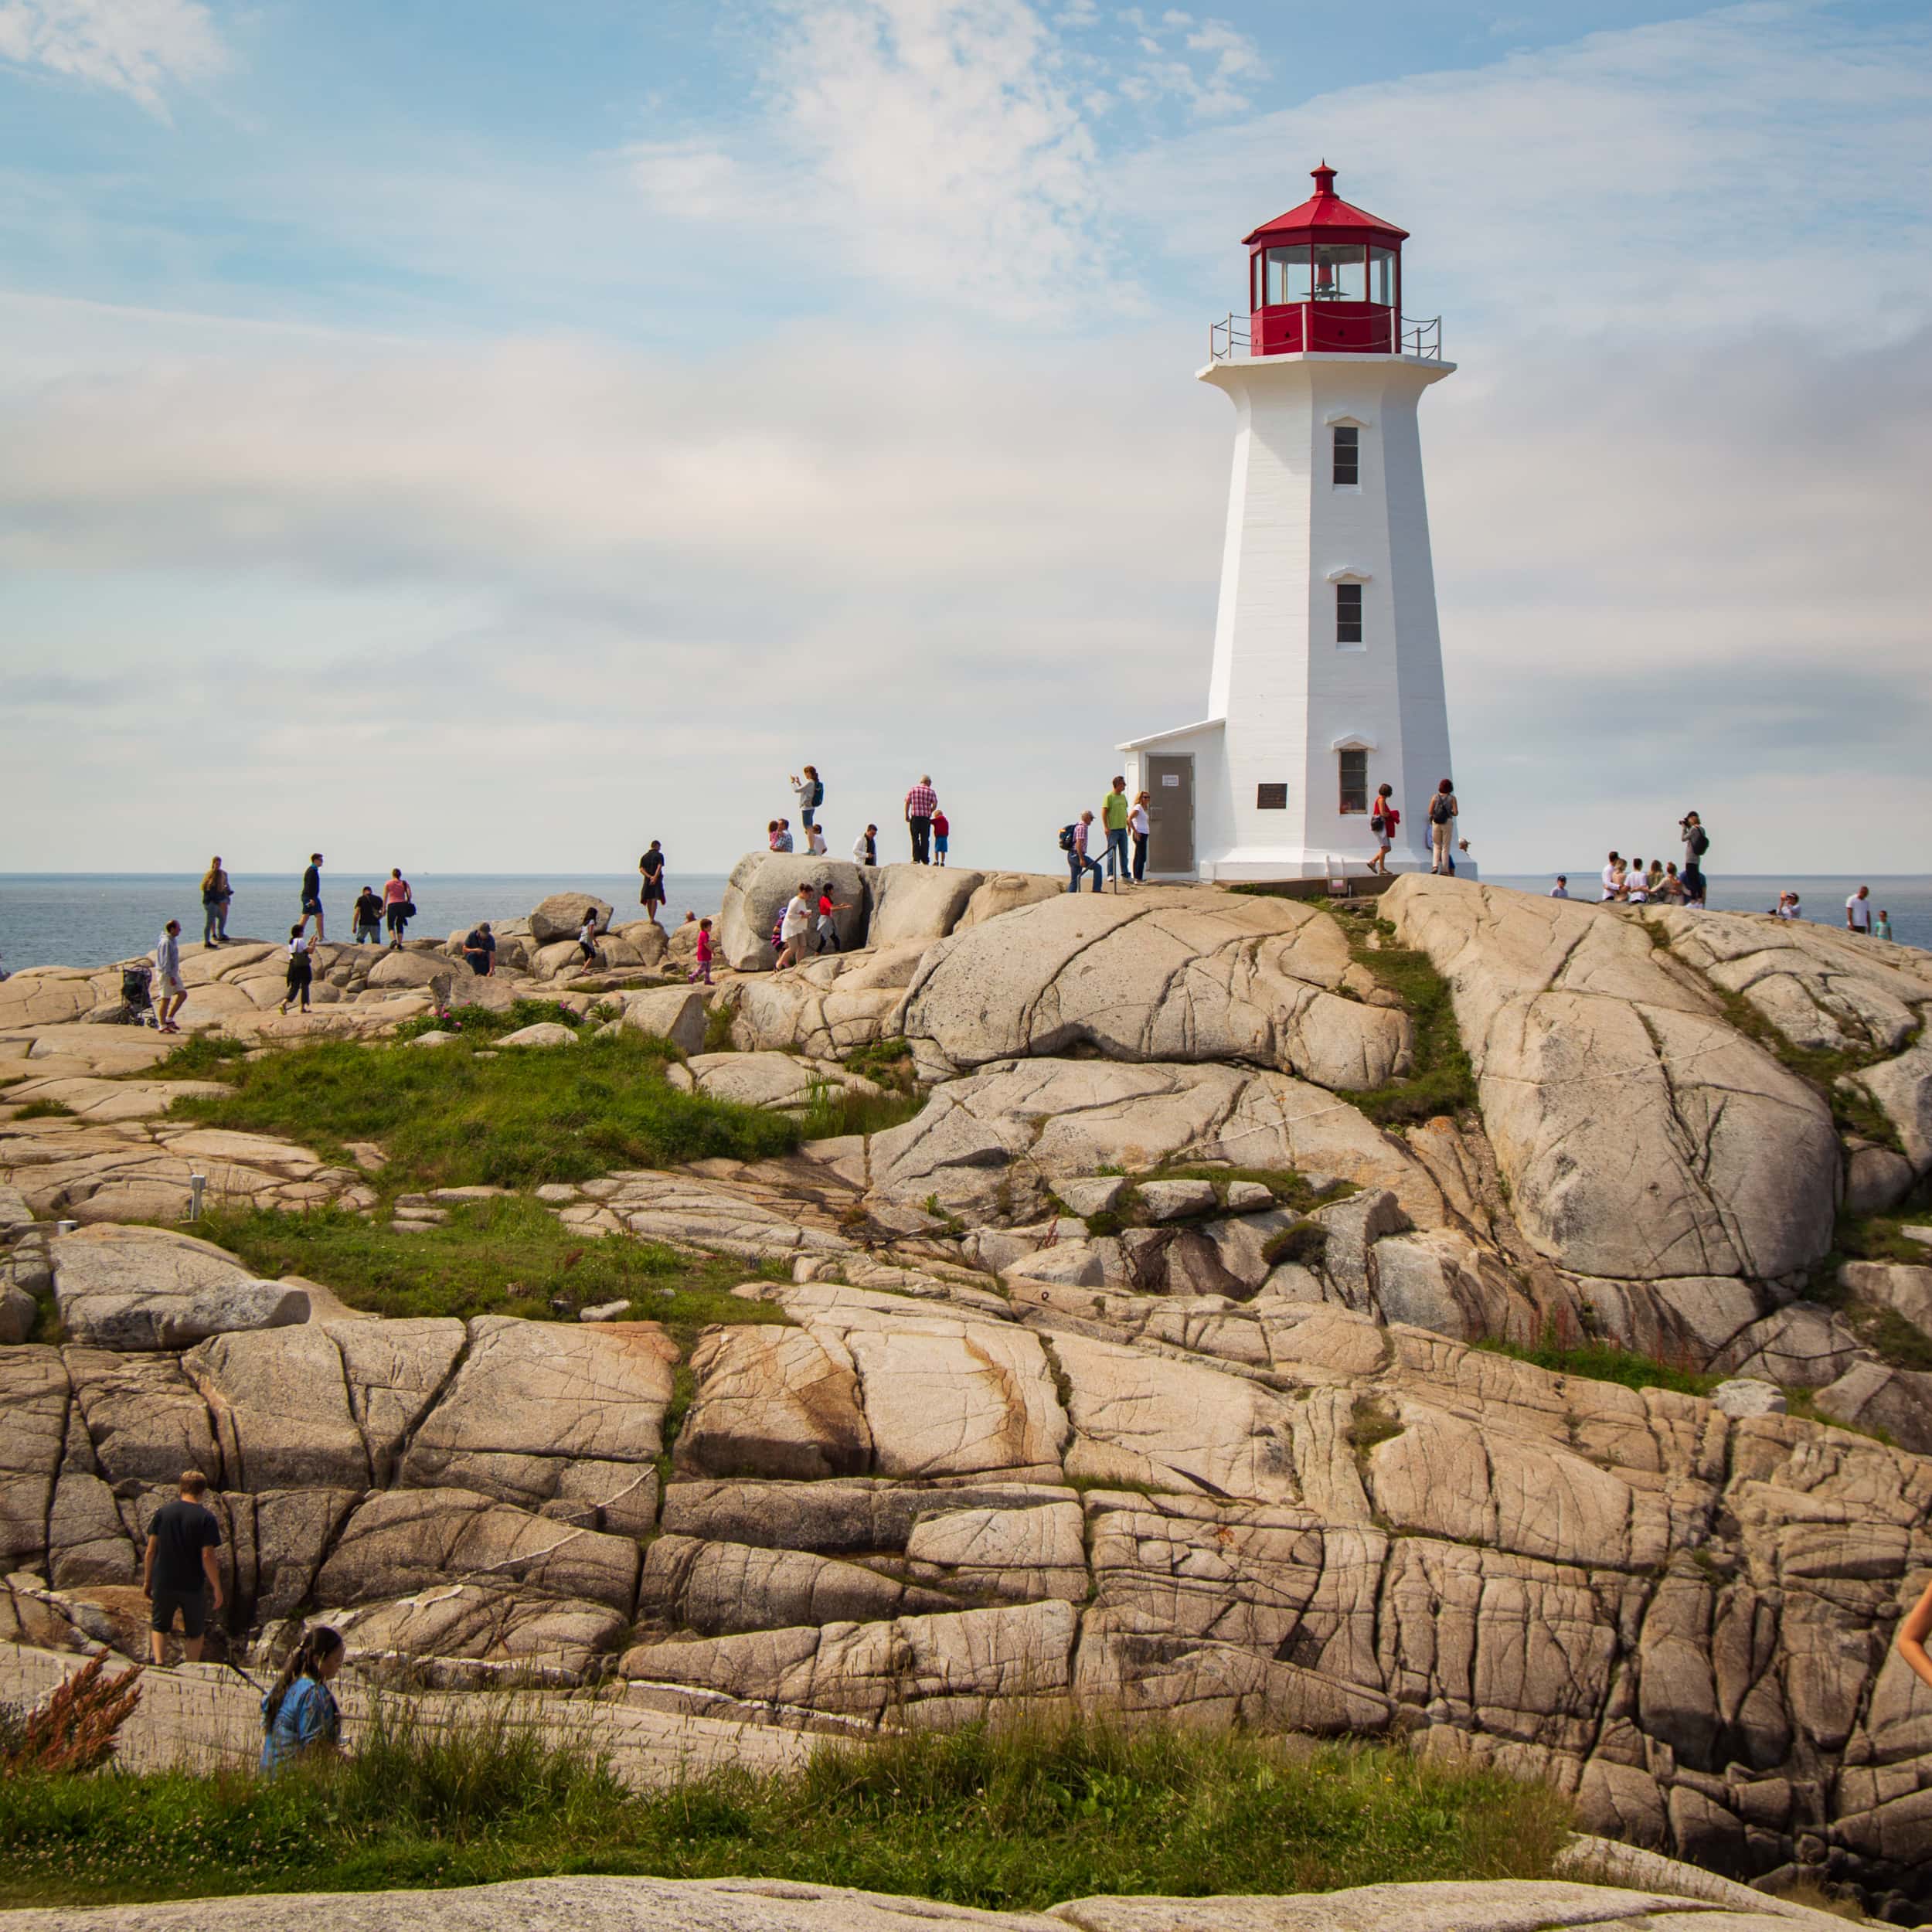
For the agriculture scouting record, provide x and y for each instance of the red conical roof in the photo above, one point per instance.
(1325, 211)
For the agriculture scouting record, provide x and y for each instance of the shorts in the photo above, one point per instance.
(311, 908)
(192, 1603)
(170, 988)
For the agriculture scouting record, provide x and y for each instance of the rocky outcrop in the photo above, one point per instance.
(827, 1007)
(1642, 1138)
(120, 1288)
(561, 916)
(917, 903)
(755, 895)
(1181, 976)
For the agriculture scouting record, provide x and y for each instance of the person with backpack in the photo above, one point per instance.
(1697, 840)
(1442, 813)
(301, 968)
(810, 793)
(300, 1715)
(1383, 821)
(215, 893)
(1073, 843)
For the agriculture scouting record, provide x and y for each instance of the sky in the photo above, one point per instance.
(484, 437)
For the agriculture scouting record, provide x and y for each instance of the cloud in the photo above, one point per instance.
(136, 47)
(694, 179)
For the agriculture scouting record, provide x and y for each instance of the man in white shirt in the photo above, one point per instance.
(794, 925)
(1637, 884)
(1613, 883)
(865, 847)
(1561, 889)
(170, 993)
(1858, 911)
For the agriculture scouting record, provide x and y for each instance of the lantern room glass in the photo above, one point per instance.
(1286, 277)
(1381, 276)
(1341, 272)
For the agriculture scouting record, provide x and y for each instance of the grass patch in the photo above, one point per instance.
(509, 1257)
(835, 1110)
(718, 1018)
(483, 1024)
(202, 1057)
(1603, 1361)
(1290, 1189)
(1307, 1242)
(1878, 1237)
(45, 1111)
(1015, 1818)
(1371, 1422)
(1443, 1080)
(446, 1118)
(885, 1062)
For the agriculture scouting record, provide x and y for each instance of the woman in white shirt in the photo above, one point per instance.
(1137, 823)
(1637, 884)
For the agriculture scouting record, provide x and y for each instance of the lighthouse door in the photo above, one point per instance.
(1170, 813)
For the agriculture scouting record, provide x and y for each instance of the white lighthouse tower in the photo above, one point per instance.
(1326, 678)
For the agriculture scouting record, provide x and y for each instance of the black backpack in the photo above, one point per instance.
(1700, 843)
(1439, 811)
(1066, 839)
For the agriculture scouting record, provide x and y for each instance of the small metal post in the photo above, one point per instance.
(197, 1186)
(65, 1227)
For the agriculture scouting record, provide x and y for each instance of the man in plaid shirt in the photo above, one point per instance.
(921, 802)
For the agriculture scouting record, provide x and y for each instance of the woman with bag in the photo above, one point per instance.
(1382, 822)
(1442, 813)
(398, 908)
(216, 893)
(810, 793)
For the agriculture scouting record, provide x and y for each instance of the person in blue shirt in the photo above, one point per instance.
(300, 1715)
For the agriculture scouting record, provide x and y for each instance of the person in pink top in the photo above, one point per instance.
(701, 973)
(398, 908)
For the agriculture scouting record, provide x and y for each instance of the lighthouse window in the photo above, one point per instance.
(1347, 615)
(1354, 779)
(1381, 276)
(1341, 272)
(1287, 275)
(1347, 452)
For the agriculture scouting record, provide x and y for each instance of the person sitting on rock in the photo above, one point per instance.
(299, 1715)
(479, 948)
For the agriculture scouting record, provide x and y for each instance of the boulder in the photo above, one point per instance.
(1746, 1396)
(774, 1402)
(646, 938)
(561, 916)
(1906, 1290)
(918, 903)
(428, 972)
(46, 995)
(34, 1397)
(671, 1013)
(998, 1139)
(1803, 1346)
(1869, 1396)
(827, 1007)
(999, 892)
(143, 1288)
(1902, 1089)
(479, 1634)
(755, 895)
(1641, 1136)
(545, 1032)
(755, 1079)
(1172, 974)
(717, 1588)
(1876, 1178)
(18, 1313)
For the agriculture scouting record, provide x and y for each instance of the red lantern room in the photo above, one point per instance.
(1325, 276)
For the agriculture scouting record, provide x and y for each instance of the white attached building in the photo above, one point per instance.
(1326, 678)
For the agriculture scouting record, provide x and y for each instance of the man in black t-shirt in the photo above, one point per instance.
(479, 948)
(650, 869)
(181, 1573)
(312, 893)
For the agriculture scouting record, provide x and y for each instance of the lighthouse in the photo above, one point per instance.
(1326, 682)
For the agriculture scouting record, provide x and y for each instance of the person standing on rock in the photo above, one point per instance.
(301, 968)
(299, 1715)
(179, 1575)
(942, 834)
(650, 894)
(1858, 912)
(701, 972)
(921, 802)
(810, 793)
(312, 894)
(368, 910)
(170, 993)
(1561, 889)
(1442, 813)
(1613, 877)
(215, 893)
(1114, 811)
(399, 908)
(1139, 824)
(1382, 822)
(795, 928)
(1636, 884)
(1883, 929)
(587, 936)
(865, 847)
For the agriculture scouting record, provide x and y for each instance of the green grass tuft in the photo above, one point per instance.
(1603, 1362)
(446, 1118)
(1442, 1080)
(45, 1111)
(509, 1257)
(1013, 1819)
(202, 1057)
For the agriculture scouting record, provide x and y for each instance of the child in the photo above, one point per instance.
(301, 968)
(587, 938)
(701, 973)
(941, 827)
(827, 940)
(814, 842)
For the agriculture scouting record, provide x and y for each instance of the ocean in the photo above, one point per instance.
(93, 919)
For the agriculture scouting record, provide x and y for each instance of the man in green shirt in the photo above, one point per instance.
(1114, 813)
